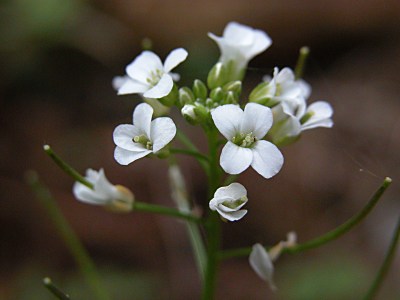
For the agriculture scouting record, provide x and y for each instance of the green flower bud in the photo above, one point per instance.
(202, 113)
(185, 96)
(199, 89)
(217, 94)
(234, 86)
(188, 112)
(231, 98)
(217, 76)
(261, 94)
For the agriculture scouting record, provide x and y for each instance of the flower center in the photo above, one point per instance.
(245, 140)
(154, 77)
(142, 139)
(236, 203)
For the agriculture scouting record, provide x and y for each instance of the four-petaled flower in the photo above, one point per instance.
(143, 137)
(238, 45)
(244, 131)
(116, 197)
(148, 76)
(229, 200)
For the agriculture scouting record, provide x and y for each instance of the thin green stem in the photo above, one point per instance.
(162, 210)
(390, 254)
(188, 144)
(301, 62)
(330, 236)
(231, 178)
(65, 167)
(213, 223)
(181, 198)
(55, 290)
(73, 243)
(189, 152)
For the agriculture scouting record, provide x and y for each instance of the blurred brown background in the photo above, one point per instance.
(58, 58)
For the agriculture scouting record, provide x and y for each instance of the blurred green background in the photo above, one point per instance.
(58, 58)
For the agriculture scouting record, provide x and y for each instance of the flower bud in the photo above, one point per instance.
(188, 112)
(231, 98)
(199, 89)
(185, 96)
(123, 203)
(234, 86)
(217, 94)
(262, 94)
(217, 76)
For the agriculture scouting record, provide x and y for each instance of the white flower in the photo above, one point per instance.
(229, 200)
(291, 120)
(244, 131)
(148, 76)
(239, 44)
(261, 263)
(143, 137)
(103, 192)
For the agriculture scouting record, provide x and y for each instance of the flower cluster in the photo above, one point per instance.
(274, 114)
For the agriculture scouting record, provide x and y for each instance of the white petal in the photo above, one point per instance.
(285, 75)
(261, 42)
(132, 87)
(232, 216)
(235, 159)
(174, 58)
(227, 119)
(322, 115)
(234, 190)
(238, 34)
(87, 195)
(123, 135)
(125, 157)
(104, 187)
(119, 81)
(257, 119)
(305, 88)
(267, 159)
(261, 264)
(143, 66)
(142, 118)
(163, 130)
(161, 89)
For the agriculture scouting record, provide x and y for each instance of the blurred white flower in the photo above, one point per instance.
(143, 137)
(261, 263)
(115, 197)
(244, 131)
(148, 76)
(290, 120)
(238, 45)
(229, 200)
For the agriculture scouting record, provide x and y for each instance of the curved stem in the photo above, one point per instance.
(385, 265)
(75, 246)
(55, 290)
(162, 210)
(65, 167)
(330, 236)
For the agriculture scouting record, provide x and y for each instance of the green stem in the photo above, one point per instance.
(193, 153)
(186, 142)
(65, 167)
(78, 251)
(301, 62)
(162, 210)
(330, 236)
(390, 254)
(55, 290)
(213, 223)
(181, 198)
